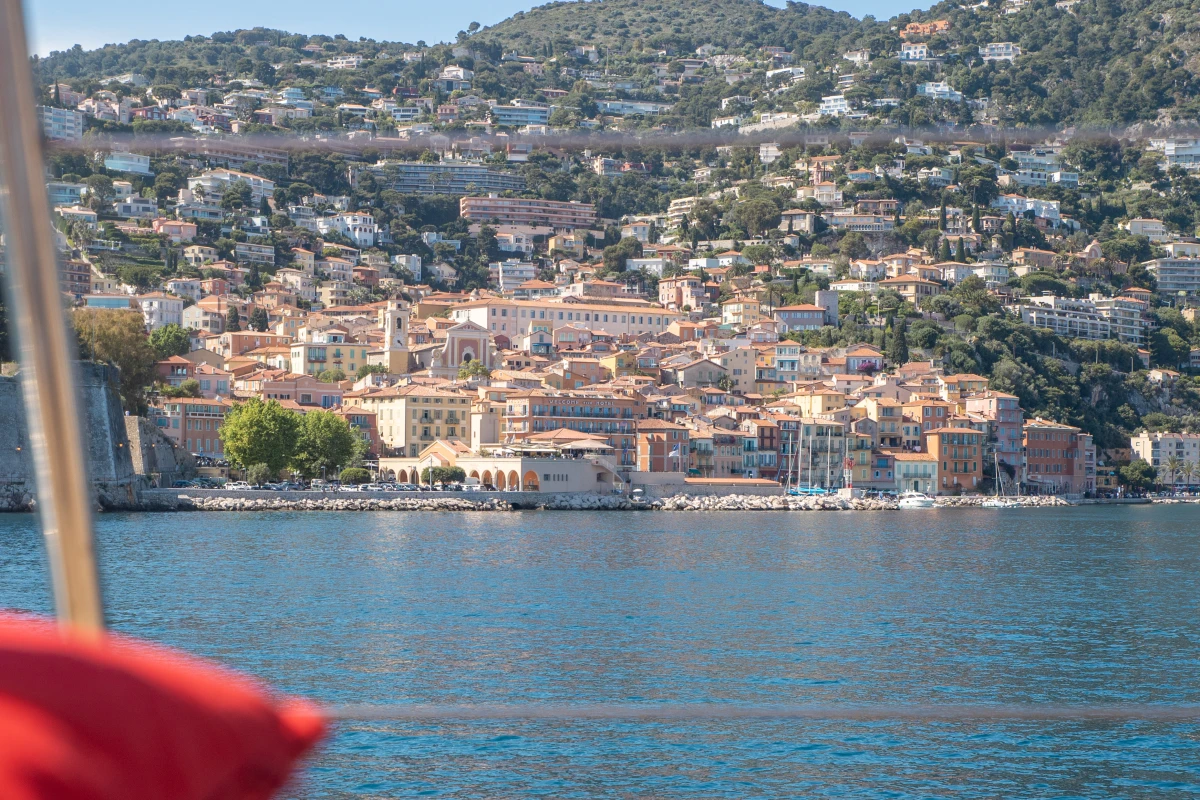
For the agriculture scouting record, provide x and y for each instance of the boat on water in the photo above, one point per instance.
(915, 500)
(797, 491)
(999, 502)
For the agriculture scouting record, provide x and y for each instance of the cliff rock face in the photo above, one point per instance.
(106, 444)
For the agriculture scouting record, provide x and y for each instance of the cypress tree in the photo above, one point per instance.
(944, 251)
(960, 251)
(897, 351)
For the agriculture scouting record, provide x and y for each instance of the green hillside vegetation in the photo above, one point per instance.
(1100, 63)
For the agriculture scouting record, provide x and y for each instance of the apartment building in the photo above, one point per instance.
(411, 417)
(61, 124)
(528, 211)
(444, 177)
(159, 309)
(1126, 317)
(1006, 423)
(1066, 316)
(521, 112)
(1164, 450)
(1175, 275)
(616, 417)
(192, 423)
(214, 183)
(512, 318)
(662, 446)
(1055, 457)
(959, 453)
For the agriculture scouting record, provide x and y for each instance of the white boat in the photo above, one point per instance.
(999, 502)
(915, 500)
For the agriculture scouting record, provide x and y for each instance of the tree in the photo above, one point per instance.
(1138, 475)
(1174, 466)
(431, 475)
(944, 250)
(615, 255)
(259, 321)
(370, 369)
(233, 320)
(188, 388)
(258, 474)
(170, 340)
(331, 376)
(324, 440)
(756, 215)
(100, 191)
(118, 337)
(853, 245)
(960, 251)
(260, 432)
(897, 352)
(353, 476)
(473, 369)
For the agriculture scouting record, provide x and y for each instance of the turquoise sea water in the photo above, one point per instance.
(942, 606)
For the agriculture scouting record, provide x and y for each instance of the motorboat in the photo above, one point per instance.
(915, 500)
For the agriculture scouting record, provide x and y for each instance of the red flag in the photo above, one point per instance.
(117, 719)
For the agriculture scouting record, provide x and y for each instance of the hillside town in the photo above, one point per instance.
(842, 307)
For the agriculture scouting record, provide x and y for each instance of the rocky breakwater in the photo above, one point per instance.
(332, 503)
(1023, 502)
(775, 503)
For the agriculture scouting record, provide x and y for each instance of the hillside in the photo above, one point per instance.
(633, 24)
(1092, 62)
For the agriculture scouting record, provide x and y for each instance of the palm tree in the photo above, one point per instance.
(1189, 470)
(1174, 463)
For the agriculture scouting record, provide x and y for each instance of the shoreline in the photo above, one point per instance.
(526, 501)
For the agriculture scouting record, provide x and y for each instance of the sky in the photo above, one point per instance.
(61, 24)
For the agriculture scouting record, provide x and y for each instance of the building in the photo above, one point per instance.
(804, 317)
(999, 51)
(1055, 457)
(1176, 275)
(494, 209)
(916, 472)
(60, 124)
(135, 163)
(509, 274)
(959, 453)
(357, 226)
(1126, 317)
(214, 183)
(614, 417)
(1176, 456)
(159, 309)
(939, 90)
(445, 177)
(1066, 316)
(513, 318)
(192, 423)
(1152, 229)
(1005, 422)
(662, 446)
(411, 417)
(521, 112)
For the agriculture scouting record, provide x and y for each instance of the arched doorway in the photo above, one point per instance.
(514, 480)
(402, 476)
(531, 482)
(486, 480)
(474, 474)
(388, 475)
(501, 483)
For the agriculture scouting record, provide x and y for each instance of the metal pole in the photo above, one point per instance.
(47, 357)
